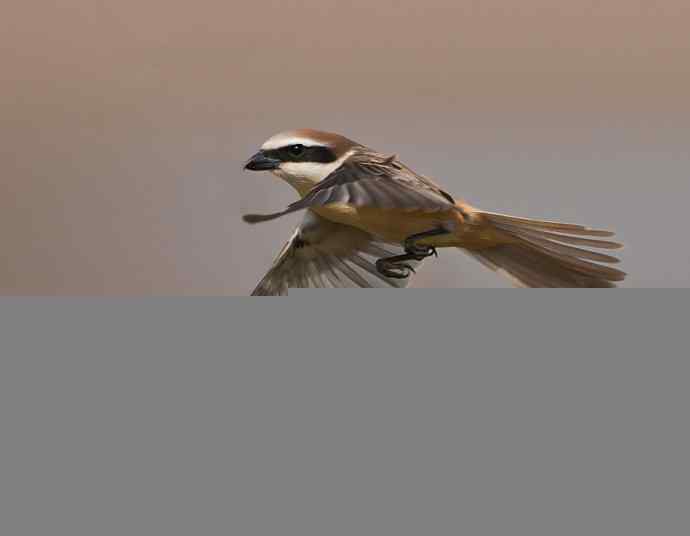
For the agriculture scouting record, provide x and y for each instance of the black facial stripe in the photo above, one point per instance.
(322, 155)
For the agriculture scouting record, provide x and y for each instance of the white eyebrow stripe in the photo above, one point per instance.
(276, 142)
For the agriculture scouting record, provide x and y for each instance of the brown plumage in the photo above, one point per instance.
(535, 254)
(378, 195)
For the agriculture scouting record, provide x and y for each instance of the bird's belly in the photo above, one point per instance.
(393, 225)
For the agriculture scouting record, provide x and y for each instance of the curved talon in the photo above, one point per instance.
(401, 271)
(414, 249)
(409, 268)
(394, 270)
(420, 252)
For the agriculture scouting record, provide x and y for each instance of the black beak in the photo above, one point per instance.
(261, 162)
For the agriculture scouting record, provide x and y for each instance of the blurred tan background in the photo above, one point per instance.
(123, 128)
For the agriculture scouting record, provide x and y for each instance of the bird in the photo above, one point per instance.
(370, 221)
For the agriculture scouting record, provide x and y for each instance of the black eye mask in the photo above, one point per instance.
(319, 154)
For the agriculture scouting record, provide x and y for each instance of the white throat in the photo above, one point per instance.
(302, 176)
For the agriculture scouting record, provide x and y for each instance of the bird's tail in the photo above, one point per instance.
(539, 253)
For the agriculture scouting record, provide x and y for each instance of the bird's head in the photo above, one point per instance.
(302, 157)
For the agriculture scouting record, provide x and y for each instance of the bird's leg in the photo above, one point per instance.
(395, 266)
(422, 251)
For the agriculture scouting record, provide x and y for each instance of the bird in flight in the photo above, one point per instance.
(370, 221)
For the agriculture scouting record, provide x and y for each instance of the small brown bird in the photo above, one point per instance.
(370, 220)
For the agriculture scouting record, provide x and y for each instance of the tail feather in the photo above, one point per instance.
(536, 254)
(589, 242)
(556, 248)
(571, 228)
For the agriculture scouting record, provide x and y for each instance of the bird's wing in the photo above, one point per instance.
(321, 253)
(369, 179)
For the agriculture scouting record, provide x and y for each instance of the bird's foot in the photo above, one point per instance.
(420, 251)
(395, 267)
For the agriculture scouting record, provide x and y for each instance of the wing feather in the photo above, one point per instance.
(322, 254)
(369, 179)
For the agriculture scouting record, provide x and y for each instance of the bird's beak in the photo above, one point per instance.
(261, 162)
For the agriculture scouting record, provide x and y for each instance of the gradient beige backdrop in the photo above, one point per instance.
(123, 128)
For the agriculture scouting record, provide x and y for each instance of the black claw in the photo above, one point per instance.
(413, 249)
(397, 270)
(395, 266)
(409, 268)
(420, 252)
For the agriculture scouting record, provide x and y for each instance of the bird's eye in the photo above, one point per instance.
(296, 150)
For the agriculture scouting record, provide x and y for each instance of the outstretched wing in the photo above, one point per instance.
(321, 253)
(369, 179)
